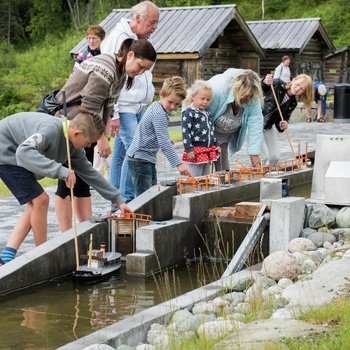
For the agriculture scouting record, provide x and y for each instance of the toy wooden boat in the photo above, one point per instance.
(98, 264)
(97, 267)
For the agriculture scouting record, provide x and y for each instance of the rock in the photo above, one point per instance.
(341, 233)
(236, 316)
(164, 341)
(343, 217)
(328, 245)
(234, 297)
(220, 303)
(265, 282)
(216, 329)
(300, 245)
(308, 266)
(281, 265)
(204, 308)
(154, 332)
(180, 316)
(285, 282)
(318, 238)
(346, 254)
(242, 283)
(192, 323)
(243, 308)
(315, 256)
(300, 256)
(321, 216)
(281, 302)
(103, 347)
(144, 347)
(253, 293)
(306, 232)
(264, 334)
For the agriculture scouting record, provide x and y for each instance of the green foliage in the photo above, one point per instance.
(47, 17)
(21, 87)
(37, 35)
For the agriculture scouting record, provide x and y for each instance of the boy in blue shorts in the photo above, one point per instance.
(33, 146)
(152, 135)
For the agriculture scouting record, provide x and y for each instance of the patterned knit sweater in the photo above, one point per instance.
(96, 83)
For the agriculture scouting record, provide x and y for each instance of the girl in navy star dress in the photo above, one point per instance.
(198, 130)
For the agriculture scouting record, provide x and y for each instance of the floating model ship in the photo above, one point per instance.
(99, 264)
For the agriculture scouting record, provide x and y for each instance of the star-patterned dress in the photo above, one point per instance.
(198, 136)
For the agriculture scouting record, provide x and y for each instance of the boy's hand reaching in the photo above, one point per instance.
(183, 170)
(71, 179)
(124, 209)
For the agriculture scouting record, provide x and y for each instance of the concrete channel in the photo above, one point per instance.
(163, 243)
(160, 245)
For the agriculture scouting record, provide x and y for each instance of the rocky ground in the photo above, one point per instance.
(311, 273)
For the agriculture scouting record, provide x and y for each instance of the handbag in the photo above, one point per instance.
(50, 105)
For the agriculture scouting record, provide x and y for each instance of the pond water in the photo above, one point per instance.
(59, 312)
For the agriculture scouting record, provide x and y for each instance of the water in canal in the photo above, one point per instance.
(48, 316)
(56, 313)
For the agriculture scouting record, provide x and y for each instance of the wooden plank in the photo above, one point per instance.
(247, 210)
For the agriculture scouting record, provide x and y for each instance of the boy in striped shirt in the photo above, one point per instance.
(152, 135)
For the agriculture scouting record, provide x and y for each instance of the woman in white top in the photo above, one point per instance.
(282, 70)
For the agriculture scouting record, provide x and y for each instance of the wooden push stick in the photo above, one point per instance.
(279, 109)
(90, 251)
(71, 190)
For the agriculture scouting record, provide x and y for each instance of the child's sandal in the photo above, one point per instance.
(308, 120)
(1, 262)
(320, 120)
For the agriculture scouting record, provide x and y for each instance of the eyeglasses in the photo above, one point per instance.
(92, 38)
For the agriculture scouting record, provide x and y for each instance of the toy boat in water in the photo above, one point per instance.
(98, 264)
(97, 267)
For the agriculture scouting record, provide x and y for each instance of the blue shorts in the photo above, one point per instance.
(21, 182)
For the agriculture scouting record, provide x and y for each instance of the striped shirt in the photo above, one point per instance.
(152, 135)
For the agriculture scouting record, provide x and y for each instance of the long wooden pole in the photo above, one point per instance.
(71, 190)
(286, 131)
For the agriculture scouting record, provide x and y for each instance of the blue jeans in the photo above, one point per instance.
(143, 173)
(119, 176)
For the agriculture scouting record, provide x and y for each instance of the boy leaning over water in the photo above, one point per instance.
(33, 146)
(152, 135)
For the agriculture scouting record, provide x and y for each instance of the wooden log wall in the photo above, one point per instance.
(337, 68)
(166, 69)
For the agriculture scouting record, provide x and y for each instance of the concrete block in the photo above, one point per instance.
(270, 189)
(167, 242)
(337, 183)
(141, 264)
(287, 219)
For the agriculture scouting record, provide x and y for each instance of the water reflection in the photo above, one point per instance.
(56, 313)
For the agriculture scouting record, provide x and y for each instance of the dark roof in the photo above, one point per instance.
(290, 34)
(184, 29)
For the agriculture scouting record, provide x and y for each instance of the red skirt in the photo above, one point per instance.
(202, 155)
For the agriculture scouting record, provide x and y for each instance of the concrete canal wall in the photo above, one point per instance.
(162, 244)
